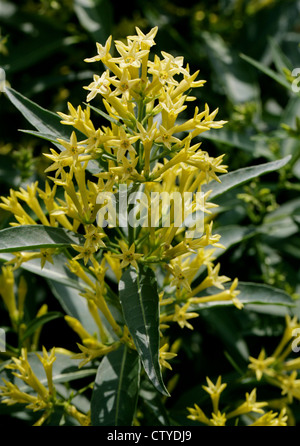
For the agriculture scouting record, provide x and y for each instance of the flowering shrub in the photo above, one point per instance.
(123, 228)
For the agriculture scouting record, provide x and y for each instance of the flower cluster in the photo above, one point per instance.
(250, 406)
(36, 396)
(136, 136)
(277, 370)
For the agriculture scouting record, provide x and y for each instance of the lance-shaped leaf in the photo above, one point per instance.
(241, 176)
(140, 304)
(43, 120)
(250, 293)
(116, 389)
(27, 237)
(46, 122)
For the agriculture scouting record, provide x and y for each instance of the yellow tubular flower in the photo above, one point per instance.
(7, 282)
(214, 391)
(128, 256)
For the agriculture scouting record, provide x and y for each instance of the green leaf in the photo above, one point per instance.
(241, 176)
(232, 235)
(47, 123)
(47, 136)
(256, 293)
(40, 321)
(140, 304)
(268, 71)
(251, 293)
(95, 16)
(239, 140)
(43, 120)
(116, 388)
(57, 271)
(152, 406)
(27, 237)
(104, 115)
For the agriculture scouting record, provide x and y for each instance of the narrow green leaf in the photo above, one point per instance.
(40, 321)
(153, 406)
(43, 120)
(140, 304)
(26, 237)
(47, 136)
(232, 235)
(116, 389)
(256, 293)
(239, 140)
(56, 271)
(47, 123)
(251, 293)
(268, 71)
(104, 115)
(241, 176)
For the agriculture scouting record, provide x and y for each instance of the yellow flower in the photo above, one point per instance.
(128, 256)
(165, 137)
(123, 144)
(215, 390)
(218, 419)
(272, 419)
(290, 386)
(261, 365)
(181, 316)
(164, 356)
(197, 414)
(144, 39)
(182, 276)
(85, 252)
(250, 405)
(100, 85)
(103, 51)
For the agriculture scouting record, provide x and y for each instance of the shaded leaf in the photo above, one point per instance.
(57, 271)
(116, 388)
(239, 140)
(241, 176)
(268, 71)
(43, 120)
(251, 293)
(27, 237)
(140, 304)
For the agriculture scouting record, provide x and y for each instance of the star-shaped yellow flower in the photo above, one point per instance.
(128, 256)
